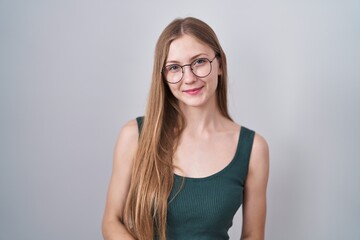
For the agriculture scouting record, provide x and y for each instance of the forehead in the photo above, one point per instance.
(185, 47)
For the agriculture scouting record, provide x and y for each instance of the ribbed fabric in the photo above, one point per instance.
(204, 208)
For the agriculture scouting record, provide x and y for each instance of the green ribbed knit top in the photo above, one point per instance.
(204, 208)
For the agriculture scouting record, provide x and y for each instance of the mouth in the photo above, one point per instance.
(193, 91)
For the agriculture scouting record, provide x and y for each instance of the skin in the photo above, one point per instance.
(206, 146)
(125, 148)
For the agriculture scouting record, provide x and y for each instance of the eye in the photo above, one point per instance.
(173, 68)
(199, 62)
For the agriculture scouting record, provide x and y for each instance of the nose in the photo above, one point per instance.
(188, 76)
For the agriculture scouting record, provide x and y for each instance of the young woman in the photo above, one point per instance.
(183, 170)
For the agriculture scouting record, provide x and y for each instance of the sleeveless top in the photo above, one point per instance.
(203, 208)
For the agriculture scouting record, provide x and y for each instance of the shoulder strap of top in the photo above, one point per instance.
(140, 121)
(246, 143)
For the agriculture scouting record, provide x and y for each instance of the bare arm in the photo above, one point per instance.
(125, 149)
(254, 207)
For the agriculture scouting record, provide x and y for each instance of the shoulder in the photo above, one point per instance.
(129, 131)
(128, 137)
(260, 146)
(259, 158)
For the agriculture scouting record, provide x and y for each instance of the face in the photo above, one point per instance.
(193, 90)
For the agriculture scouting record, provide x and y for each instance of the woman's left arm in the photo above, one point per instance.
(254, 206)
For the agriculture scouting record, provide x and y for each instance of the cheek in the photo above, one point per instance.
(214, 81)
(173, 88)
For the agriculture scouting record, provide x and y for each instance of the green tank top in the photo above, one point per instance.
(204, 208)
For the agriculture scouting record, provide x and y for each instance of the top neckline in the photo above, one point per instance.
(220, 171)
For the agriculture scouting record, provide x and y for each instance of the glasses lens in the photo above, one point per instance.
(201, 67)
(173, 73)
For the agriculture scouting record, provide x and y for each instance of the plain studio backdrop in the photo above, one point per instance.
(73, 72)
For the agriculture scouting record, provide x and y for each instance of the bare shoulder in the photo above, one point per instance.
(260, 146)
(129, 130)
(127, 141)
(129, 133)
(259, 160)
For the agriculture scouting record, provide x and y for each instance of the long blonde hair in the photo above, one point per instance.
(152, 178)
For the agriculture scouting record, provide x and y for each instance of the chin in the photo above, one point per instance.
(199, 102)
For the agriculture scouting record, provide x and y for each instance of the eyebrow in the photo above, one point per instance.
(191, 59)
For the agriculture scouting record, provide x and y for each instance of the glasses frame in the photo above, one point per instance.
(182, 69)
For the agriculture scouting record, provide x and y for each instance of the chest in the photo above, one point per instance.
(205, 205)
(201, 157)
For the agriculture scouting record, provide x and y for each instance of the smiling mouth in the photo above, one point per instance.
(193, 91)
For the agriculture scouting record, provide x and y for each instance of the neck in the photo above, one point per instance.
(200, 120)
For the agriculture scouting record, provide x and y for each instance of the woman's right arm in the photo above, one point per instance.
(125, 149)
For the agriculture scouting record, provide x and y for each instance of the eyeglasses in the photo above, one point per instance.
(200, 67)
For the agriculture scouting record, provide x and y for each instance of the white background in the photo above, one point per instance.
(73, 72)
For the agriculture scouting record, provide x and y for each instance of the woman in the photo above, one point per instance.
(183, 170)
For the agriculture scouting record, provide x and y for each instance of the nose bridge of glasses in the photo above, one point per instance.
(190, 73)
(183, 66)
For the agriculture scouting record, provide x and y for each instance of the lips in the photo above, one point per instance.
(193, 90)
